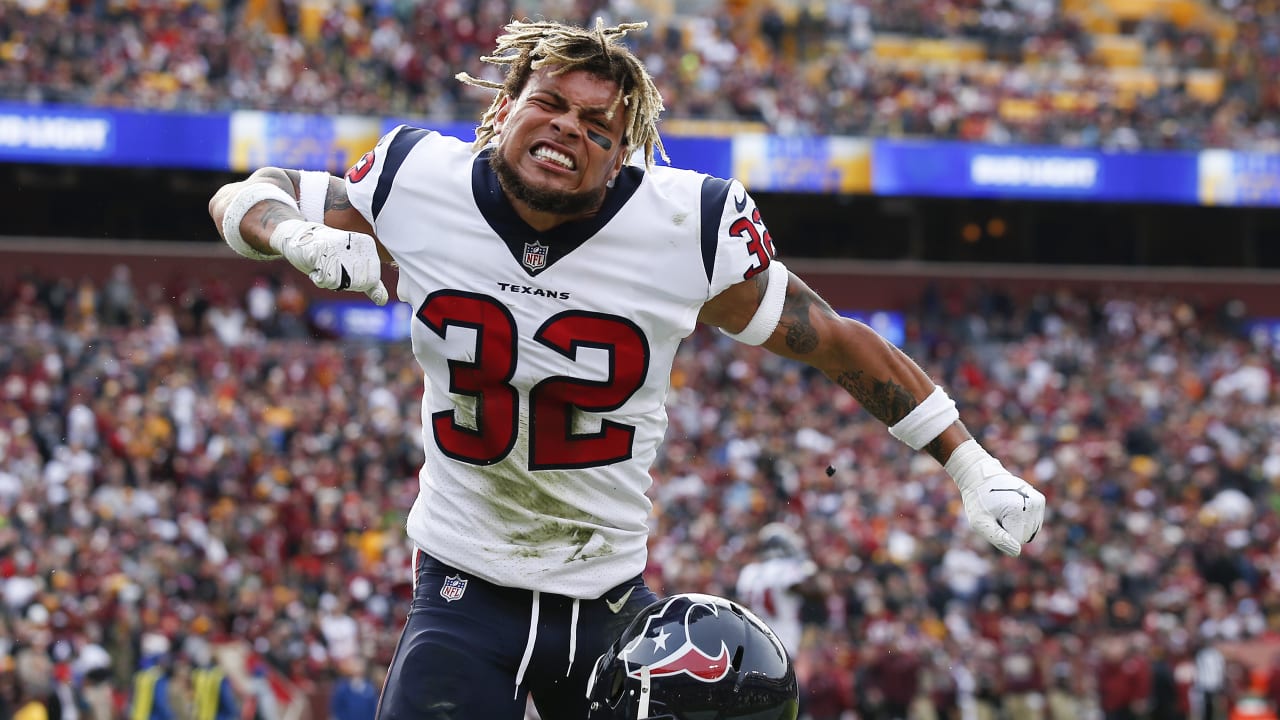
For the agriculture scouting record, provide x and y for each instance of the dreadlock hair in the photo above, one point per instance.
(529, 46)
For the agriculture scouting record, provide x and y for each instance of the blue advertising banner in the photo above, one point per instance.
(710, 155)
(802, 164)
(890, 324)
(952, 169)
(81, 136)
(1234, 178)
(361, 319)
(1264, 332)
(245, 140)
(307, 142)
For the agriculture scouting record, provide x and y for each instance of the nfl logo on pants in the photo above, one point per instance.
(535, 255)
(453, 588)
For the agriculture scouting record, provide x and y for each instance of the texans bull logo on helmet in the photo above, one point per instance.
(672, 645)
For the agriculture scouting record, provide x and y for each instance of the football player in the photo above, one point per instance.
(551, 281)
(776, 584)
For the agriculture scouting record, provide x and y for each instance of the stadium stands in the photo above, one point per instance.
(1120, 74)
(204, 468)
(183, 458)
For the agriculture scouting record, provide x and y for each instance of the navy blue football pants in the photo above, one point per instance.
(465, 658)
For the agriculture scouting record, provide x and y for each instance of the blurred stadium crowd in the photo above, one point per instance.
(189, 476)
(1115, 74)
(182, 468)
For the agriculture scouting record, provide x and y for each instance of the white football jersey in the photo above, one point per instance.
(547, 356)
(767, 587)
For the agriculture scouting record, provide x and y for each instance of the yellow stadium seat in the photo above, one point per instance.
(1124, 100)
(311, 16)
(1204, 85)
(1107, 24)
(1019, 109)
(901, 47)
(889, 47)
(1224, 32)
(266, 13)
(160, 82)
(1187, 13)
(1068, 101)
(1092, 15)
(949, 50)
(1118, 51)
(1134, 81)
(1136, 9)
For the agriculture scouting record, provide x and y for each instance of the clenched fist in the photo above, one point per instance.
(334, 259)
(1001, 507)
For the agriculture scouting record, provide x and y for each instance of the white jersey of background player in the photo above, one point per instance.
(775, 585)
(520, 486)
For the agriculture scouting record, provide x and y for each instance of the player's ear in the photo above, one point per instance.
(624, 151)
(504, 109)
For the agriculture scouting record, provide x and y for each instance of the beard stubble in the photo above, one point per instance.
(558, 202)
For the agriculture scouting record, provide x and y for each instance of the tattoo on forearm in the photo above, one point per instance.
(336, 198)
(934, 448)
(888, 401)
(276, 213)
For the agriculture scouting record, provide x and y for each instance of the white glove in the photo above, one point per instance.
(334, 259)
(1001, 507)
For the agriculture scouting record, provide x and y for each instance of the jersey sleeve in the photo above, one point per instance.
(369, 180)
(735, 238)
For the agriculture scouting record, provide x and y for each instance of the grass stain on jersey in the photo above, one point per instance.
(519, 495)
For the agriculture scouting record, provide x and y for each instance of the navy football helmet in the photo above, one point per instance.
(694, 657)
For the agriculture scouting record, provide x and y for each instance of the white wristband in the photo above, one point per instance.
(246, 198)
(927, 420)
(313, 188)
(765, 321)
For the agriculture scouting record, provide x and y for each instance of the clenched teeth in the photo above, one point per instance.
(545, 153)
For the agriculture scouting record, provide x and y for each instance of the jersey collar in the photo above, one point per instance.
(557, 242)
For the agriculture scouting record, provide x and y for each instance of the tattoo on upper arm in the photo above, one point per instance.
(336, 197)
(802, 337)
(888, 401)
(762, 286)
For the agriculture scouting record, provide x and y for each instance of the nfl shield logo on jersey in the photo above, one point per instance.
(453, 588)
(535, 256)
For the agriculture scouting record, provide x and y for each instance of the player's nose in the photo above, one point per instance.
(567, 122)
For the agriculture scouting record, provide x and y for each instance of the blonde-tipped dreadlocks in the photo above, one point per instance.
(528, 46)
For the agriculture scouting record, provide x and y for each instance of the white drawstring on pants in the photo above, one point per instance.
(533, 638)
(573, 637)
